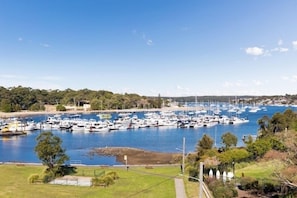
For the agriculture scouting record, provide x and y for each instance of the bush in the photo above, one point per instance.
(113, 175)
(33, 178)
(65, 170)
(108, 180)
(60, 107)
(105, 180)
(248, 183)
(222, 189)
(193, 172)
(46, 178)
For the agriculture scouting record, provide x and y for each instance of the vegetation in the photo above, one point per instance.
(24, 98)
(50, 152)
(266, 165)
(19, 98)
(229, 140)
(137, 182)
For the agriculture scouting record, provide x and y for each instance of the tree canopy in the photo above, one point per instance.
(229, 140)
(50, 151)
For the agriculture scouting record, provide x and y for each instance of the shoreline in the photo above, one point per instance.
(134, 157)
(52, 112)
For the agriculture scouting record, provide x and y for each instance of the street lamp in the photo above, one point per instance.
(126, 160)
(183, 155)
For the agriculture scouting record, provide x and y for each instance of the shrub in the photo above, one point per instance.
(60, 107)
(222, 189)
(108, 180)
(248, 183)
(113, 175)
(193, 172)
(33, 178)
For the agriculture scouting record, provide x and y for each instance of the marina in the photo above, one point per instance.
(160, 131)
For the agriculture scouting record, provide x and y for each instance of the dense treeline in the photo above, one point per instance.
(25, 98)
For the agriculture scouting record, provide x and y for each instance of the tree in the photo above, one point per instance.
(49, 151)
(229, 140)
(204, 144)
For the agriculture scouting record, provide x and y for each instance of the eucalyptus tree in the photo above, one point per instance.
(49, 150)
(229, 140)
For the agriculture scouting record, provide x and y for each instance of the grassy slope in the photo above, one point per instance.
(137, 182)
(260, 170)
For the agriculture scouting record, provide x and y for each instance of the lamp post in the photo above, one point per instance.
(126, 160)
(184, 148)
(183, 155)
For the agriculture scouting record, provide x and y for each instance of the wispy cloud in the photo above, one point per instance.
(279, 49)
(255, 51)
(44, 45)
(179, 87)
(261, 51)
(20, 39)
(294, 43)
(144, 37)
(149, 42)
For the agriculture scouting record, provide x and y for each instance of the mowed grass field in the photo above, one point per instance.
(136, 182)
(260, 170)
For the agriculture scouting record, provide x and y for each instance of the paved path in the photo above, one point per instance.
(180, 188)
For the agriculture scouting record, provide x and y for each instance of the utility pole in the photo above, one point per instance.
(200, 180)
(184, 148)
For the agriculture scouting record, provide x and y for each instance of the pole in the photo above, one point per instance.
(200, 179)
(126, 160)
(184, 148)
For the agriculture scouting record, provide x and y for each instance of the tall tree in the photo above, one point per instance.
(204, 144)
(229, 140)
(50, 151)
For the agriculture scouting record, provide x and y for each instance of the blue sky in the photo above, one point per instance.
(151, 47)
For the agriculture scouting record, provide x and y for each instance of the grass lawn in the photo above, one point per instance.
(137, 182)
(260, 170)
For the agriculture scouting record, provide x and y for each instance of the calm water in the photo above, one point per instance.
(78, 144)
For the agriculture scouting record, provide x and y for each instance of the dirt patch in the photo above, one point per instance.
(138, 156)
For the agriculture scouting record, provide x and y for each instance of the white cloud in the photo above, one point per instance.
(282, 49)
(143, 36)
(178, 87)
(149, 42)
(255, 51)
(294, 43)
(279, 49)
(280, 42)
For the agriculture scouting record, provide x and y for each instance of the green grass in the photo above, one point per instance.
(137, 182)
(260, 170)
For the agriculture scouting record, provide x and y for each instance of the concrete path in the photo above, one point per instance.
(180, 188)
